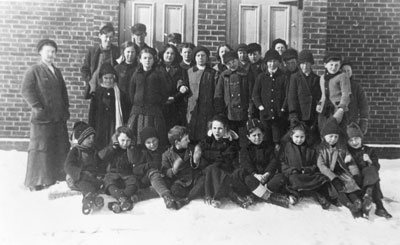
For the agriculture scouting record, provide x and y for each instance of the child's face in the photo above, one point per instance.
(256, 137)
(298, 137)
(332, 66)
(331, 139)
(139, 39)
(124, 141)
(218, 129)
(242, 55)
(130, 55)
(107, 80)
(355, 142)
(254, 57)
(305, 67)
(233, 65)
(106, 39)
(151, 143)
(88, 141)
(48, 53)
(347, 69)
(183, 143)
(169, 56)
(291, 64)
(186, 54)
(272, 64)
(280, 48)
(147, 61)
(222, 51)
(201, 58)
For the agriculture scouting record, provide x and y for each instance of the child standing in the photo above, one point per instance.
(336, 163)
(109, 107)
(81, 167)
(127, 66)
(148, 93)
(119, 180)
(279, 45)
(186, 50)
(200, 106)
(368, 163)
(241, 51)
(221, 65)
(299, 164)
(269, 94)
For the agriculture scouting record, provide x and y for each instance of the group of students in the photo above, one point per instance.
(249, 129)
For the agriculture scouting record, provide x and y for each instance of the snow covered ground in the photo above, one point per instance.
(31, 218)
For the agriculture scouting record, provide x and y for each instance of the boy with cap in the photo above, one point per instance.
(186, 50)
(368, 163)
(257, 65)
(304, 94)
(335, 162)
(241, 51)
(232, 94)
(139, 34)
(174, 39)
(269, 95)
(335, 92)
(81, 167)
(105, 52)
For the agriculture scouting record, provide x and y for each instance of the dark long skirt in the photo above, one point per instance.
(307, 182)
(47, 151)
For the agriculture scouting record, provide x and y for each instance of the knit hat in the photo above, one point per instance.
(82, 130)
(138, 29)
(198, 49)
(306, 56)
(276, 41)
(106, 68)
(290, 54)
(331, 127)
(353, 130)
(175, 38)
(272, 54)
(147, 133)
(252, 124)
(43, 42)
(241, 47)
(106, 28)
(230, 55)
(331, 56)
(253, 47)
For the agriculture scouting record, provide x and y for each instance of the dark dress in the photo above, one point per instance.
(46, 93)
(125, 72)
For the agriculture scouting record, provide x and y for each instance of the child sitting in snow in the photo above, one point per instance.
(336, 163)
(119, 180)
(179, 164)
(368, 163)
(81, 167)
(299, 164)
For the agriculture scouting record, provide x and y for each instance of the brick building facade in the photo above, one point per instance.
(366, 31)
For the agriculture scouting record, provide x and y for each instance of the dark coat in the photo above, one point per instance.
(369, 172)
(219, 68)
(259, 159)
(358, 106)
(304, 95)
(81, 161)
(204, 108)
(118, 160)
(46, 93)
(184, 65)
(145, 161)
(270, 92)
(125, 72)
(233, 94)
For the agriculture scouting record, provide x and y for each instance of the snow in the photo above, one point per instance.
(31, 218)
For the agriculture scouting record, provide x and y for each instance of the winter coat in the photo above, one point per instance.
(258, 159)
(125, 72)
(81, 161)
(339, 91)
(298, 158)
(257, 68)
(331, 163)
(232, 94)
(270, 91)
(204, 109)
(219, 68)
(304, 94)
(46, 93)
(118, 160)
(369, 171)
(186, 174)
(184, 66)
(145, 161)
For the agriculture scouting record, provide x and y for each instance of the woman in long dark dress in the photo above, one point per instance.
(44, 89)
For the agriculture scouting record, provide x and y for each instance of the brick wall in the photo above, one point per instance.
(72, 24)
(212, 24)
(368, 32)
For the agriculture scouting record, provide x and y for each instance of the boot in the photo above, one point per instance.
(241, 201)
(169, 201)
(366, 205)
(115, 207)
(325, 204)
(181, 202)
(125, 203)
(88, 203)
(279, 200)
(381, 212)
(99, 202)
(216, 203)
(355, 208)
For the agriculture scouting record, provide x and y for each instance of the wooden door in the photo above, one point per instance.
(263, 21)
(160, 18)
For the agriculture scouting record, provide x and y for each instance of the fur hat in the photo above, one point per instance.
(290, 54)
(106, 28)
(147, 133)
(252, 124)
(331, 56)
(43, 42)
(198, 49)
(241, 47)
(276, 41)
(106, 68)
(306, 56)
(253, 47)
(272, 54)
(331, 127)
(82, 130)
(230, 55)
(138, 29)
(353, 130)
